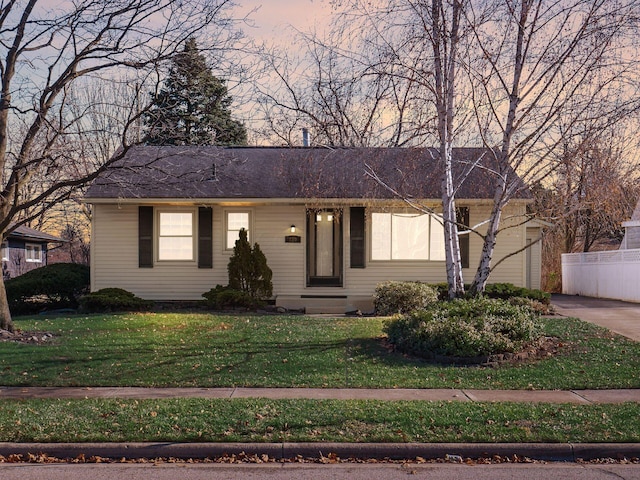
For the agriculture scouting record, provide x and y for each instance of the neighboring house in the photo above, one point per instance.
(25, 249)
(613, 274)
(165, 220)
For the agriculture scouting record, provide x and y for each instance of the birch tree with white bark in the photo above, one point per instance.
(504, 75)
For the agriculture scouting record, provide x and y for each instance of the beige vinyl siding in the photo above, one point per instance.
(272, 224)
(535, 275)
(512, 270)
(114, 255)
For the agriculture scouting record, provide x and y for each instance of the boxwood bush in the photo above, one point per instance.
(58, 285)
(464, 328)
(113, 300)
(402, 297)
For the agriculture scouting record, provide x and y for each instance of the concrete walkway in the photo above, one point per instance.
(619, 317)
(459, 395)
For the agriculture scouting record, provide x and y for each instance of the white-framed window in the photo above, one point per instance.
(406, 236)
(4, 252)
(176, 235)
(33, 253)
(235, 221)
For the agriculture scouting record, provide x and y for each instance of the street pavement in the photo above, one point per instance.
(564, 471)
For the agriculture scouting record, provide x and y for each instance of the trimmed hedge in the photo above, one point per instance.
(464, 328)
(58, 285)
(113, 300)
(402, 297)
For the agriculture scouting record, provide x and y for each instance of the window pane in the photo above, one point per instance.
(175, 248)
(381, 236)
(238, 221)
(231, 239)
(178, 224)
(410, 237)
(437, 239)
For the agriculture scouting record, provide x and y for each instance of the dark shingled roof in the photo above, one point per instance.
(32, 234)
(267, 172)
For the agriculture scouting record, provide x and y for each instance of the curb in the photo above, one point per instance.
(563, 452)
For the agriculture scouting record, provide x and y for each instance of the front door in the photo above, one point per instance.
(324, 248)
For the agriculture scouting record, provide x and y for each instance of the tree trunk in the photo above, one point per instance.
(451, 241)
(445, 50)
(6, 323)
(484, 268)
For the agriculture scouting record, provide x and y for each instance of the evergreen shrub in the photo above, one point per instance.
(113, 300)
(54, 286)
(504, 291)
(464, 328)
(222, 297)
(249, 278)
(402, 297)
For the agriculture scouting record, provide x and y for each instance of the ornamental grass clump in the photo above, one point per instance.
(464, 328)
(391, 297)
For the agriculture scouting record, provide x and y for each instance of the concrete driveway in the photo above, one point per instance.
(619, 317)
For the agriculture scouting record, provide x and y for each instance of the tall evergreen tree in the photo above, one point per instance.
(193, 107)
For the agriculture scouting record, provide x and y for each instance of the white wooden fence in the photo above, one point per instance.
(612, 274)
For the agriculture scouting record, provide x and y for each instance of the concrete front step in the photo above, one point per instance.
(329, 304)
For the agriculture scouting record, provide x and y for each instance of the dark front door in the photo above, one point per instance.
(324, 248)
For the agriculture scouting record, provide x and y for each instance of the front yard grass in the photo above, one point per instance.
(206, 350)
(260, 420)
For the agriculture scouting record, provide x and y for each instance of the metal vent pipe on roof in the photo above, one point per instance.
(305, 137)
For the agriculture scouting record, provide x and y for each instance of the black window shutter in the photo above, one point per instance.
(205, 237)
(462, 217)
(145, 237)
(356, 230)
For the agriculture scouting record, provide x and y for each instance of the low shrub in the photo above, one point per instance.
(58, 285)
(464, 328)
(402, 297)
(534, 306)
(222, 297)
(113, 300)
(504, 291)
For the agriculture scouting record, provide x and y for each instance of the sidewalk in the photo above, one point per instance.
(461, 395)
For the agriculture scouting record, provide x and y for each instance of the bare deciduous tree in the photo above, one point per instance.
(344, 97)
(45, 52)
(504, 75)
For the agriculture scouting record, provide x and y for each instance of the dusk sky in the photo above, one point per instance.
(273, 17)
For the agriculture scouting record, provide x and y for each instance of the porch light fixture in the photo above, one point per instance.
(293, 229)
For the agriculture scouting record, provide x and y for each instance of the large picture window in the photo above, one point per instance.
(175, 236)
(406, 236)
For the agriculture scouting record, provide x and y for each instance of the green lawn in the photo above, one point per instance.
(205, 350)
(260, 420)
